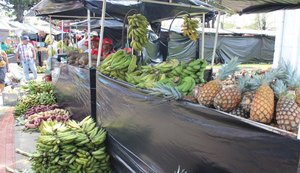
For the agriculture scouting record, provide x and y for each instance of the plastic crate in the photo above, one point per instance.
(11, 99)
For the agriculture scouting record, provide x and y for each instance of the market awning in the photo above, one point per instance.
(255, 6)
(154, 10)
(59, 8)
(95, 23)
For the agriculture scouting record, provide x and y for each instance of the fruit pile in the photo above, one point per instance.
(189, 28)
(71, 147)
(39, 93)
(41, 69)
(118, 64)
(137, 31)
(34, 120)
(256, 96)
(182, 76)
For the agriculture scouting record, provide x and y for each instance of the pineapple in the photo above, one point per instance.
(298, 96)
(230, 97)
(247, 100)
(197, 90)
(212, 88)
(287, 111)
(262, 106)
(239, 111)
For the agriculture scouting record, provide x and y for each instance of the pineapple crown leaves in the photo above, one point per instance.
(167, 91)
(279, 88)
(245, 84)
(292, 79)
(179, 170)
(228, 69)
(273, 74)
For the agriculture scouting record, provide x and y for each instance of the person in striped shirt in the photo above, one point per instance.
(26, 55)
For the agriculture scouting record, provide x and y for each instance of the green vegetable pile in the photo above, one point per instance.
(39, 93)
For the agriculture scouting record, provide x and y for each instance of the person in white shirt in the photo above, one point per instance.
(26, 55)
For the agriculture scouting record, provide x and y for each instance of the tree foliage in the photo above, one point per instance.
(20, 6)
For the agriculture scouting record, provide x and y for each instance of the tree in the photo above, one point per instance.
(20, 6)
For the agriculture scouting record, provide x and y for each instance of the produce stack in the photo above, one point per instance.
(137, 31)
(71, 147)
(37, 114)
(118, 64)
(189, 28)
(183, 76)
(38, 93)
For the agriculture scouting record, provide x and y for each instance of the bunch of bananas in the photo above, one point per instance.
(71, 147)
(117, 64)
(194, 69)
(186, 85)
(189, 28)
(137, 31)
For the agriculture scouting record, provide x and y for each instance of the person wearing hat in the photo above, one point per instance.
(26, 55)
(107, 48)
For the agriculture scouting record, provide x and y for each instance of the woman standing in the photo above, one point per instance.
(3, 69)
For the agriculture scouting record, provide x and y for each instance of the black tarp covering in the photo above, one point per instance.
(149, 135)
(249, 49)
(152, 11)
(59, 8)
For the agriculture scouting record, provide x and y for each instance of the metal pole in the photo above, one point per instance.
(101, 32)
(51, 47)
(203, 34)
(62, 36)
(89, 37)
(216, 39)
(92, 72)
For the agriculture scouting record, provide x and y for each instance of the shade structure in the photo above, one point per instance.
(95, 23)
(153, 10)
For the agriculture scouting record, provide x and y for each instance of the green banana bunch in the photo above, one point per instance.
(189, 28)
(186, 85)
(71, 147)
(137, 31)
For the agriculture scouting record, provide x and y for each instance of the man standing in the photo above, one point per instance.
(27, 56)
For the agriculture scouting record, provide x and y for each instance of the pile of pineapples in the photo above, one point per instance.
(271, 98)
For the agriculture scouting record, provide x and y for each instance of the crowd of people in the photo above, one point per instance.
(28, 52)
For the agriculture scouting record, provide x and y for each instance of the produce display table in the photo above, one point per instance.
(148, 134)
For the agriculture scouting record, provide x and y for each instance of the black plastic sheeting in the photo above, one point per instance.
(152, 11)
(150, 135)
(249, 49)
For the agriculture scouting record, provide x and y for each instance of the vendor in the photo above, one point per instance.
(107, 47)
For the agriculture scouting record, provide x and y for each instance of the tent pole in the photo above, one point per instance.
(101, 32)
(93, 88)
(203, 34)
(216, 39)
(51, 47)
(62, 36)
(89, 37)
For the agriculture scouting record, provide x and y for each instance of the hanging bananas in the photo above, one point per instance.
(71, 147)
(189, 28)
(137, 31)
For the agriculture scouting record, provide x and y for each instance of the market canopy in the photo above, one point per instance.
(59, 8)
(154, 10)
(95, 23)
(255, 6)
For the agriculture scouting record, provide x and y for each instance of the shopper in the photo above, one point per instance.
(26, 55)
(41, 36)
(3, 69)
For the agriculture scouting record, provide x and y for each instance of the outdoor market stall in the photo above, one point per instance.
(149, 134)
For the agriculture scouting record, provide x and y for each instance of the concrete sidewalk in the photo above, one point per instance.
(11, 138)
